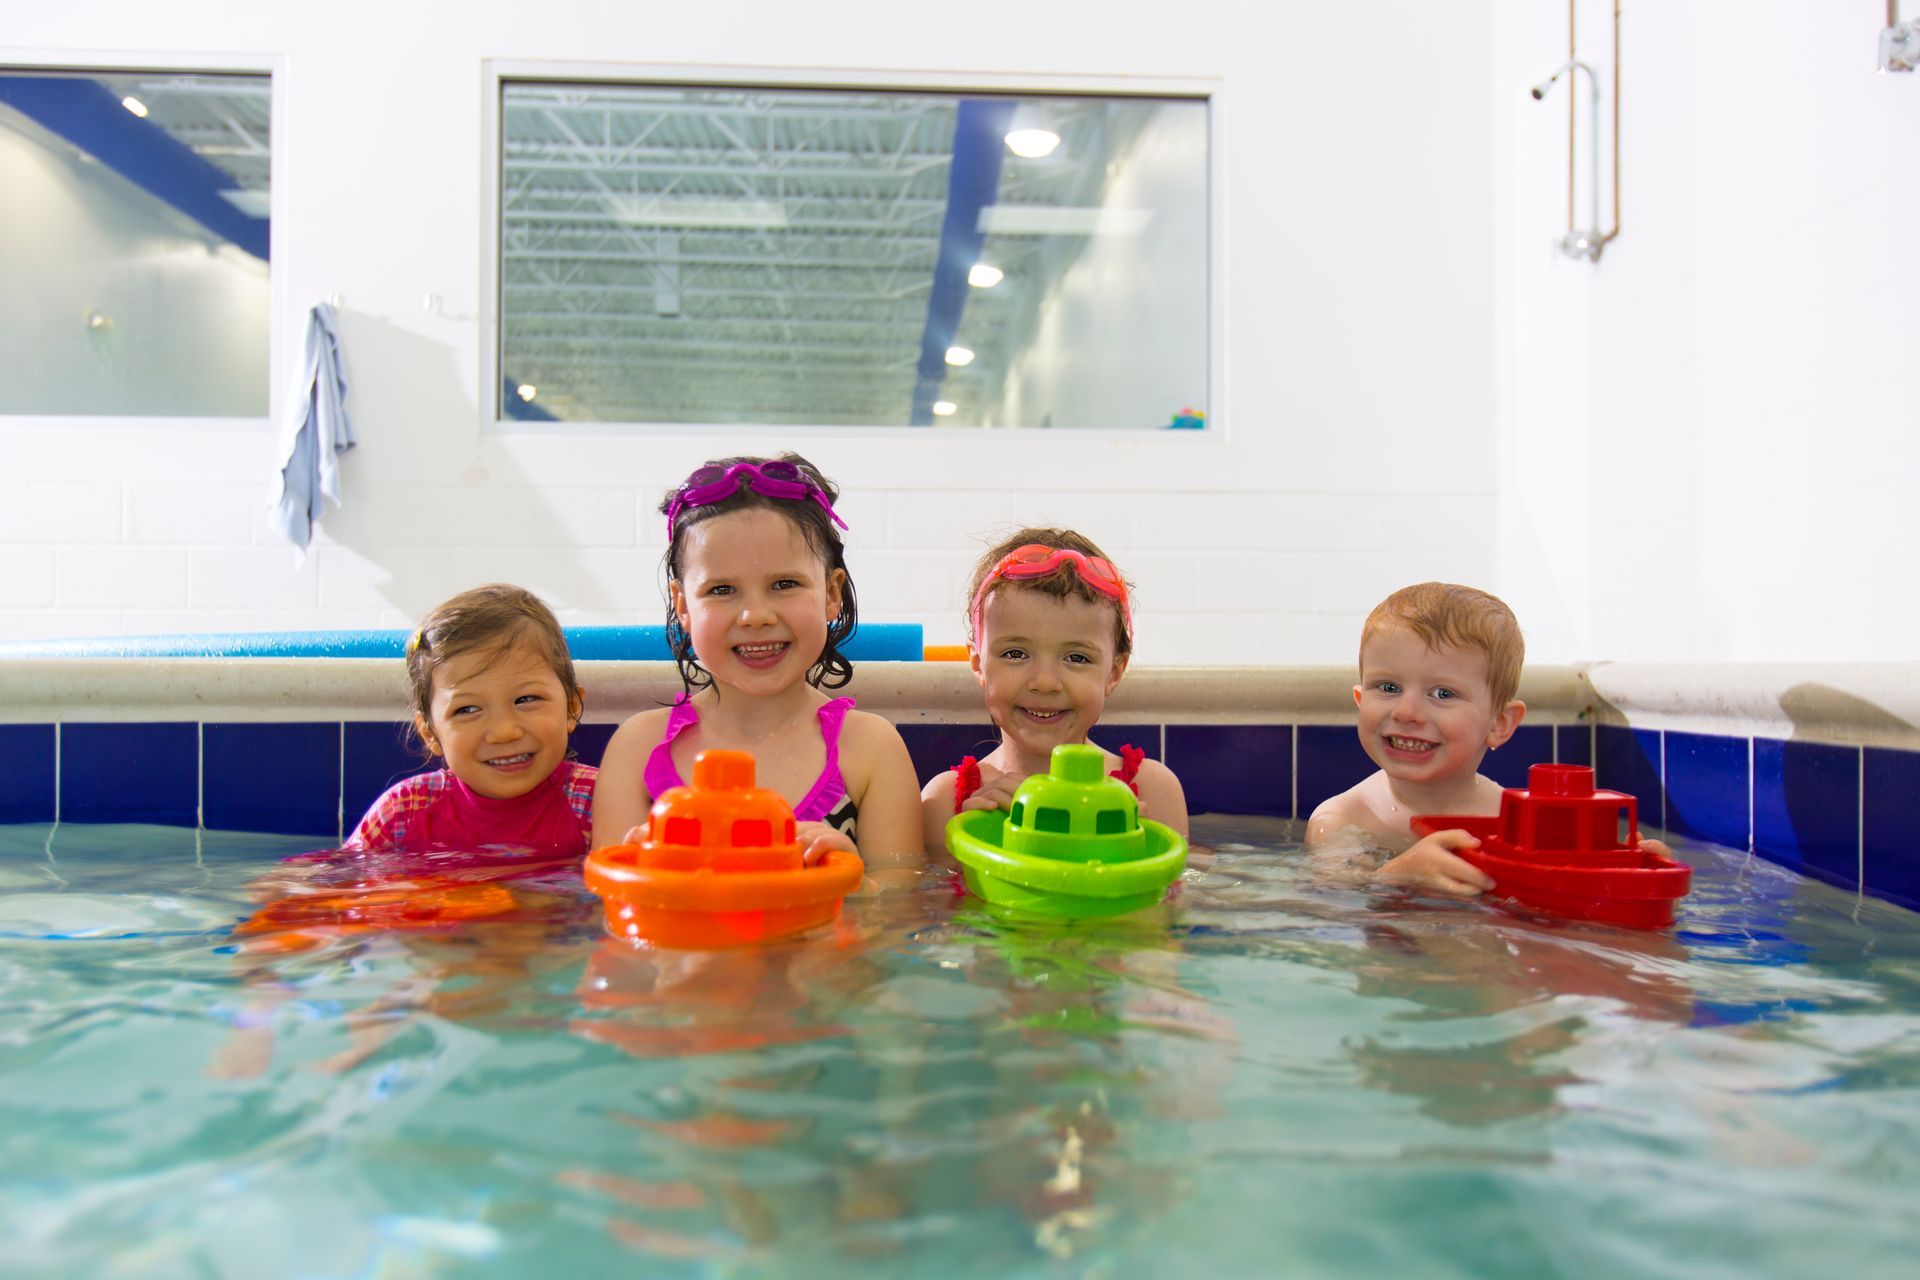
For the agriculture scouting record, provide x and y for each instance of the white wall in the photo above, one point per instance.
(184, 326)
(1354, 449)
(1121, 336)
(1710, 442)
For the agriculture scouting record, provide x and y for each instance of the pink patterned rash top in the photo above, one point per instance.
(827, 801)
(438, 811)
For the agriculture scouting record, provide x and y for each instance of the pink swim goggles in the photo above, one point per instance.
(1037, 561)
(769, 479)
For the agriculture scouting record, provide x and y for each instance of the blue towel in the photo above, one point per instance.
(316, 432)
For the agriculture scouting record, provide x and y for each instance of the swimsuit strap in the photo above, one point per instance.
(661, 776)
(966, 774)
(829, 788)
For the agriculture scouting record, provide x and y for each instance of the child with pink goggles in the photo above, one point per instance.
(1036, 560)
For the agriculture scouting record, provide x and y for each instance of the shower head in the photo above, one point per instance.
(1539, 91)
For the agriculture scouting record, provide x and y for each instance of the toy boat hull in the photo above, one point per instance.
(1024, 884)
(703, 910)
(1608, 886)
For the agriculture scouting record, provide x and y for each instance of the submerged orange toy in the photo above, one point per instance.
(720, 867)
(1563, 847)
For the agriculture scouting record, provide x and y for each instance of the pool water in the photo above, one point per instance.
(1274, 1074)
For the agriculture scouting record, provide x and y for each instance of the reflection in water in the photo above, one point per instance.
(1269, 1073)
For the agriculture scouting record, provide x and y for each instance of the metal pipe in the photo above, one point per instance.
(1605, 239)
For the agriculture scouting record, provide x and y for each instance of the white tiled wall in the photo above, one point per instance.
(1353, 446)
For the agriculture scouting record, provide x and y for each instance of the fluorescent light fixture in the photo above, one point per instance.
(134, 105)
(526, 391)
(957, 356)
(1032, 144)
(696, 211)
(982, 276)
(254, 204)
(1061, 220)
(944, 408)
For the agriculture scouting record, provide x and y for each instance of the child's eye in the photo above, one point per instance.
(468, 709)
(529, 697)
(1079, 659)
(1013, 655)
(1445, 694)
(786, 584)
(718, 589)
(1386, 686)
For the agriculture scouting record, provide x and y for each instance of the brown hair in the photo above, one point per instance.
(1064, 581)
(830, 670)
(499, 617)
(1443, 613)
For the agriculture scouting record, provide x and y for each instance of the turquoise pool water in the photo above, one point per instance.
(1273, 1075)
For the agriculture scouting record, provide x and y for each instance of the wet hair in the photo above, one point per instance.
(1444, 613)
(830, 670)
(1063, 582)
(498, 618)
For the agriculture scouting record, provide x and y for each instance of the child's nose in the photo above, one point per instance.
(502, 729)
(1408, 710)
(1043, 675)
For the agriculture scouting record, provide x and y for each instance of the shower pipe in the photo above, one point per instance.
(1573, 63)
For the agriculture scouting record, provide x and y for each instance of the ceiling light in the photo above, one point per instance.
(1031, 144)
(982, 276)
(957, 356)
(697, 211)
(944, 408)
(525, 390)
(1061, 220)
(134, 105)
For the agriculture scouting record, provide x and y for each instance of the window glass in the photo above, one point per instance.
(133, 240)
(851, 257)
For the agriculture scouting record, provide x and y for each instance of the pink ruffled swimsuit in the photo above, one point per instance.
(827, 801)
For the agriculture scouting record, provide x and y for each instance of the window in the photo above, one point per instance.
(764, 254)
(133, 239)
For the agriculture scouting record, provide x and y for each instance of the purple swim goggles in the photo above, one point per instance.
(769, 479)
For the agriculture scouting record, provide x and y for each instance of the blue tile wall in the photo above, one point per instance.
(1331, 760)
(1891, 845)
(1629, 760)
(1530, 744)
(1806, 808)
(1112, 736)
(130, 773)
(936, 748)
(1234, 768)
(589, 742)
(1708, 788)
(378, 755)
(26, 773)
(1573, 744)
(280, 778)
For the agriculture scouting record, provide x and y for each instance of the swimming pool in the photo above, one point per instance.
(1271, 1075)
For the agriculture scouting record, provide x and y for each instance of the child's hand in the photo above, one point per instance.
(1432, 864)
(1658, 848)
(817, 839)
(996, 790)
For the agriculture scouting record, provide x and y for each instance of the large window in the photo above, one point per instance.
(133, 243)
(674, 254)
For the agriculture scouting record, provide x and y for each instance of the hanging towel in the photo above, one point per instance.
(314, 435)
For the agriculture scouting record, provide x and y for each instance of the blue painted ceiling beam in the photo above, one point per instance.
(973, 183)
(86, 113)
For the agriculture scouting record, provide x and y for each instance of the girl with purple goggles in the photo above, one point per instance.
(772, 479)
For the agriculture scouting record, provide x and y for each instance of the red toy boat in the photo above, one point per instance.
(1562, 847)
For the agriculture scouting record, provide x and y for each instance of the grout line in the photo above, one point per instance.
(1293, 799)
(58, 781)
(200, 775)
(1753, 785)
(1860, 824)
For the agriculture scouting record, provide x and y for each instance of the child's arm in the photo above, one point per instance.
(1334, 814)
(936, 808)
(620, 799)
(1161, 796)
(1431, 863)
(890, 825)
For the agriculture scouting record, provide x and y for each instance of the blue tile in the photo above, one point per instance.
(1892, 853)
(26, 773)
(1573, 744)
(130, 773)
(1708, 788)
(279, 778)
(1806, 807)
(1144, 736)
(1234, 768)
(1629, 760)
(378, 755)
(589, 742)
(1530, 744)
(936, 748)
(1331, 760)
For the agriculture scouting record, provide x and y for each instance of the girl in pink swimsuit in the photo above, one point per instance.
(759, 602)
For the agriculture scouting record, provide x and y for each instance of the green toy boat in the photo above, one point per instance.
(1073, 844)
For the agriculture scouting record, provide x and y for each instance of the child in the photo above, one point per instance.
(1049, 634)
(759, 602)
(1439, 665)
(494, 697)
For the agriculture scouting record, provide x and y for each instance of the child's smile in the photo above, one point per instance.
(500, 720)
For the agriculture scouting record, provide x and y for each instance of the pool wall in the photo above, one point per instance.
(1812, 767)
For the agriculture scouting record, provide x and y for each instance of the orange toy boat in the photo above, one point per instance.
(1565, 848)
(720, 867)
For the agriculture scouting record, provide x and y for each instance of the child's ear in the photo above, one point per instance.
(677, 601)
(976, 664)
(1119, 669)
(576, 707)
(425, 730)
(836, 594)
(1356, 695)
(1505, 723)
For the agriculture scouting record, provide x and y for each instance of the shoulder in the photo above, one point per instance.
(1337, 813)
(1155, 772)
(638, 735)
(940, 790)
(865, 726)
(384, 825)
